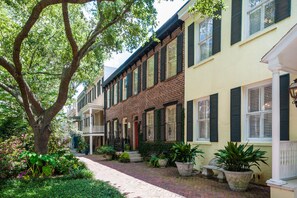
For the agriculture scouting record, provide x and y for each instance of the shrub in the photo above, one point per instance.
(107, 150)
(81, 174)
(146, 149)
(124, 157)
(154, 161)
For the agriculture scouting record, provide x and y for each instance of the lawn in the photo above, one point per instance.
(57, 187)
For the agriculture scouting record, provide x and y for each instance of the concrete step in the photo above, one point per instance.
(135, 156)
(135, 159)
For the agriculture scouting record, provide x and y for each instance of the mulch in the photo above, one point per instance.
(169, 179)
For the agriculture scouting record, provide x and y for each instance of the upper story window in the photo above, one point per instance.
(125, 83)
(108, 129)
(171, 59)
(115, 128)
(108, 98)
(259, 112)
(205, 39)
(150, 72)
(171, 123)
(203, 115)
(260, 15)
(150, 125)
(135, 81)
(98, 87)
(115, 94)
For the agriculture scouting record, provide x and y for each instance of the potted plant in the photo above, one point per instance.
(184, 157)
(162, 160)
(237, 160)
(107, 151)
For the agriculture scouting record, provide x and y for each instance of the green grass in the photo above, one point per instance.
(57, 187)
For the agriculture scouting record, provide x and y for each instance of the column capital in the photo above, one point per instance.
(274, 65)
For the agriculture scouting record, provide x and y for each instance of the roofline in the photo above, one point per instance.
(168, 27)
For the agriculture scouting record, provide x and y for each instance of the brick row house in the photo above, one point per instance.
(144, 97)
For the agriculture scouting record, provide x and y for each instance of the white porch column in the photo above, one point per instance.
(91, 130)
(275, 129)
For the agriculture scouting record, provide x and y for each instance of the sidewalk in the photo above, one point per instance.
(127, 185)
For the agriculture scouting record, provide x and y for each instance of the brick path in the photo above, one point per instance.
(169, 179)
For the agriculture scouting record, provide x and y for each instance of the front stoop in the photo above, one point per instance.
(135, 156)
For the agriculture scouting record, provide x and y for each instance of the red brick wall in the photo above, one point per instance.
(172, 89)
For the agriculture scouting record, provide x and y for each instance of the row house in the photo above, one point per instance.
(90, 103)
(229, 92)
(144, 97)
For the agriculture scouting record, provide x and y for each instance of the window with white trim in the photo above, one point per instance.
(150, 72)
(108, 129)
(115, 128)
(203, 114)
(135, 81)
(108, 98)
(171, 59)
(171, 123)
(125, 83)
(260, 15)
(259, 113)
(205, 39)
(115, 94)
(150, 125)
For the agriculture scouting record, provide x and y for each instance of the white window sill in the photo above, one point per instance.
(203, 62)
(257, 35)
(200, 142)
(261, 143)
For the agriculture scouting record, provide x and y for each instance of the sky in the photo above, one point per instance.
(165, 10)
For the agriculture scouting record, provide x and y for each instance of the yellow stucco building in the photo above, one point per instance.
(228, 91)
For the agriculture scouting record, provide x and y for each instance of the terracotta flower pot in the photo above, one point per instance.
(185, 169)
(238, 181)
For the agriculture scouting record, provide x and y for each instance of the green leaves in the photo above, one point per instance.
(240, 157)
(184, 153)
(207, 8)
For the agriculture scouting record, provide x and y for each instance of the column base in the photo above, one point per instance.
(276, 182)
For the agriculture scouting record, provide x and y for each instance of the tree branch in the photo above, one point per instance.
(68, 30)
(12, 92)
(7, 65)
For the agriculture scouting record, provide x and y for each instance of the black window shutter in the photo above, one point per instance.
(144, 64)
(179, 51)
(129, 84)
(179, 122)
(191, 45)
(120, 90)
(105, 99)
(214, 118)
(110, 91)
(156, 66)
(284, 107)
(282, 9)
(163, 63)
(157, 125)
(190, 121)
(162, 124)
(236, 21)
(216, 34)
(139, 79)
(143, 122)
(235, 110)
(112, 95)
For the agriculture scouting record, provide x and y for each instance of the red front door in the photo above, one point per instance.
(136, 134)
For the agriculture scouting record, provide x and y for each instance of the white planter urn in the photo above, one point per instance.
(238, 181)
(162, 162)
(185, 169)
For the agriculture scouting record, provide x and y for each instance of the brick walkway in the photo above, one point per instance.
(169, 179)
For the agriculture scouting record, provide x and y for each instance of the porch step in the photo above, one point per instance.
(135, 156)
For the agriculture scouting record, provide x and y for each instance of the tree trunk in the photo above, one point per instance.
(41, 138)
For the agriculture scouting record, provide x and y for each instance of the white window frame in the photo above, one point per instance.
(250, 10)
(262, 112)
(168, 123)
(108, 129)
(196, 118)
(150, 79)
(108, 98)
(199, 43)
(125, 84)
(150, 138)
(135, 81)
(115, 94)
(173, 62)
